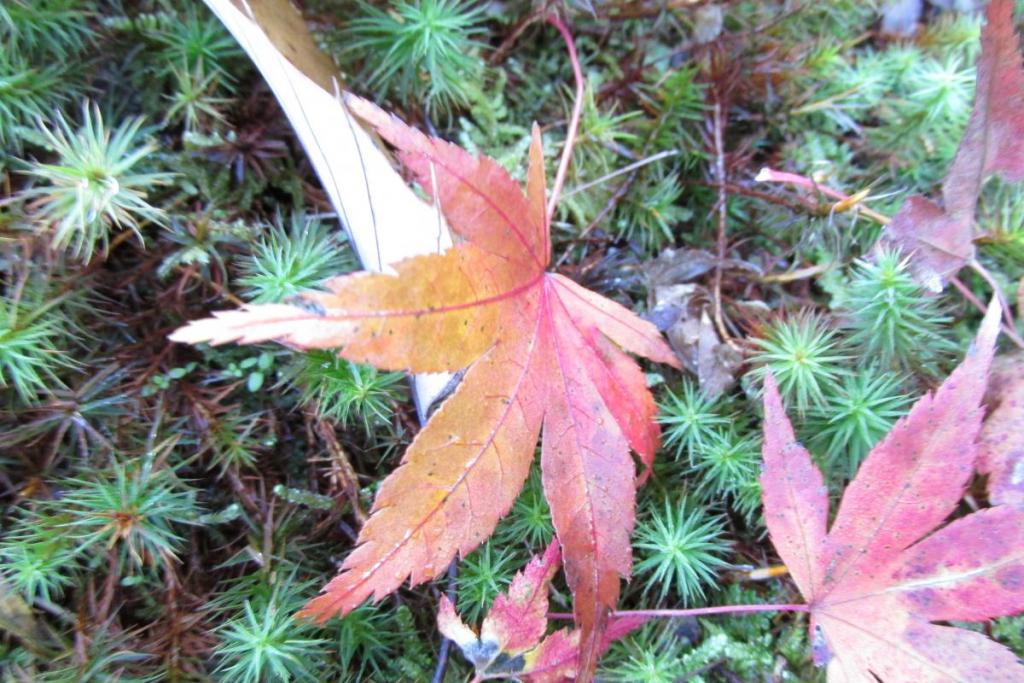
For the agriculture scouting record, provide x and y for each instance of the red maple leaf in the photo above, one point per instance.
(541, 352)
(511, 643)
(942, 239)
(878, 579)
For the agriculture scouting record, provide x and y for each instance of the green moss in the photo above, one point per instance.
(167, 508)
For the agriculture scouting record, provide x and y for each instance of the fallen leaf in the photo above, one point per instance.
(993, 141)
(680, 308)
(1001, 445)
(939, 244)
(882, 574)
(511, 642)
(515, 624)
(540, 350)
(941, 239)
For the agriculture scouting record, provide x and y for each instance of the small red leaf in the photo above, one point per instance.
(555, 659)
(515, 626)
(518, 618)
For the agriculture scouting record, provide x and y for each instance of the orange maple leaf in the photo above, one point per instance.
(882, 574)
(540, 351)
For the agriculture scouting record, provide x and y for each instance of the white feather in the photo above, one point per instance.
(384, 218)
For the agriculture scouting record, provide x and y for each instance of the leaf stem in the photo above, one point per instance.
(574, 120)
(1011, 326)
(969, 295)
(696, 611)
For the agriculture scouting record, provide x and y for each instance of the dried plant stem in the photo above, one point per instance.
(969, 295)
(794, 275)
(997, 291)
(574, 120)
(792, 203)
(499, 55)
(622, 171)
(342, 472)
(765, 573)
(446, 643)
(722, 208)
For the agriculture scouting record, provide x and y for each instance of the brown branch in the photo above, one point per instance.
(722, 208)
(501, 53)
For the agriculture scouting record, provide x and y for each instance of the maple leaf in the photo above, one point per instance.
(511, 642)
(1001, 444)
(882, 574)
(993, 142)
(541, 352)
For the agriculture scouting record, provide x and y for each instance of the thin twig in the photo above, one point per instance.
(499, 55)
(792, 203)
(701, 670)
(446, 644)
(765, 573)
(191, 274)
(794, 275)
(621, 171)
(969, 295)
(574, 120)
(722, 207)
(1020, 297)
(635, 10)
(996, 290)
